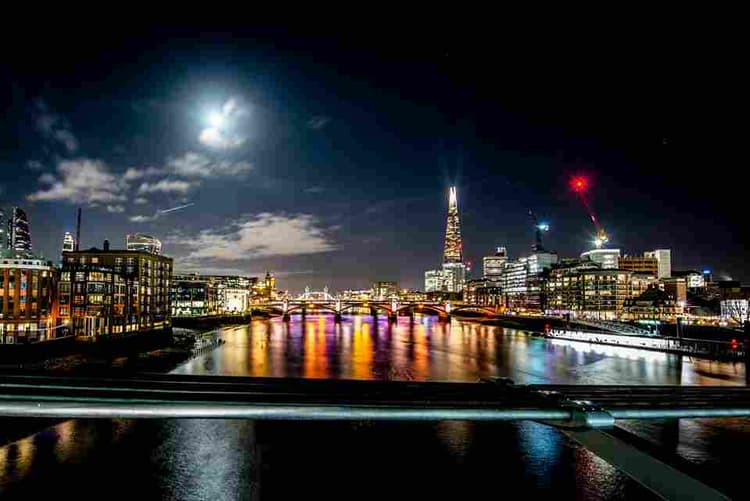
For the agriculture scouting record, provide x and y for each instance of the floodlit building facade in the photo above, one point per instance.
(664, 258)
(105, 292)
(28, 301)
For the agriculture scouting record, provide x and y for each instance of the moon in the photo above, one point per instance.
(216, 119)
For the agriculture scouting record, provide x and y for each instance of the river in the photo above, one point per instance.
(226, 459)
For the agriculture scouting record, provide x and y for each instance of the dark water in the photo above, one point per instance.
(221, 459)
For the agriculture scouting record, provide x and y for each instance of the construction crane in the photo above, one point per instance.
(580, 185)
(539, 228)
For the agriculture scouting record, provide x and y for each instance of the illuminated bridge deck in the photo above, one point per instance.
(167, 396)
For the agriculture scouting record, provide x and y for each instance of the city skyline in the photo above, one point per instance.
(333, 178)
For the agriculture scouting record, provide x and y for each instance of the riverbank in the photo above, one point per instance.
(162, 354)
(542, 324)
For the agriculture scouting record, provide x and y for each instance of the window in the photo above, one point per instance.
(65, 276)
(94, 260)
(96, 299)
(83, 260)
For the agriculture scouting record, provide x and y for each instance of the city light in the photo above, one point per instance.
(543, 227)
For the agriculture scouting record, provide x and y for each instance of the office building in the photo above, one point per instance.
(193, 295)
(588, 290)
(355, 295)
(639, 264)
(695, 279)
(493, 265)
(19, 232)
(483, 292)
(676, 287)
(107, 292)
(455, 276)
(139, 242)
(607, 259)
(523, 280)
(652, 304)
(69, 243)
(383, 291)
(735, 310)
(4, 242)
(436, 280)
(197, 295)
(28, 288)
(664, 258)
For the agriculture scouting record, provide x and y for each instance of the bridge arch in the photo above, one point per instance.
(488, 310)
(366, 304)
(423, 307)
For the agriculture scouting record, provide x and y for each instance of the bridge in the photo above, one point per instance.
(391, 308)
(584, 413)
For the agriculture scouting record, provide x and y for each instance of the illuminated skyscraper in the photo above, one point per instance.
(69, 243)
(453, 252)
(143, 243)
(4, 242)
(19, 234)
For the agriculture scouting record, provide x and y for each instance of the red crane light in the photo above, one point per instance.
(579, 184)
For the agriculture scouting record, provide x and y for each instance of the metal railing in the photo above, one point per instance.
(581, 412)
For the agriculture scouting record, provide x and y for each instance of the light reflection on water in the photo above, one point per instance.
(199, 459)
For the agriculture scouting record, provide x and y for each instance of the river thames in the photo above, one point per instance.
(222, 459)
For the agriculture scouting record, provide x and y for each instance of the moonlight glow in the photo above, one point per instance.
(216, 119)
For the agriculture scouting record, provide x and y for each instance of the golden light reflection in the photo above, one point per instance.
(362, 352)
(421, 363)
(316, 359)
(259, 352)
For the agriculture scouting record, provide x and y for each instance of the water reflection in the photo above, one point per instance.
(203, 459)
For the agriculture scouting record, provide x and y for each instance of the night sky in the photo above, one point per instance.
(326, 157)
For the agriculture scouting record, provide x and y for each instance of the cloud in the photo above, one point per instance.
(223, 133)
(141, 218)
(140, 201)
(132, 173)
(165, 186)
(47, 178)
(314, 189)
(197, 165)
(116, 209)
(216, 138)
(80, 181)
(257, 236)
(34, 165)
(318, 122)
(54, 127)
